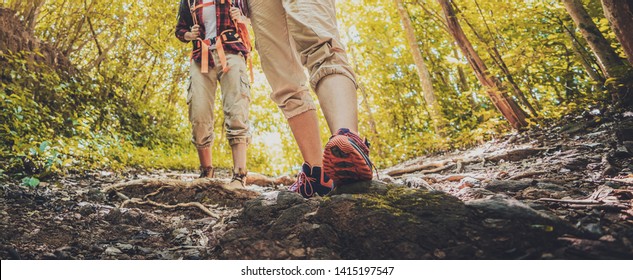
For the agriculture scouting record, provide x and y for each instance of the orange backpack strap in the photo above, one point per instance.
(204, 48)
(219, 46)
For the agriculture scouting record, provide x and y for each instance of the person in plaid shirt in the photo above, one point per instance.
(218, 56)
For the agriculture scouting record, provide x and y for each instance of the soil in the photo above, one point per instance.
(561, 192)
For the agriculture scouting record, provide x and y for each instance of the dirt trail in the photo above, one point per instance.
(561, 192)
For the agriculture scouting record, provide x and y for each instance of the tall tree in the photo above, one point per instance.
(609, 61)
(494, 53)
(508, 108)
(620, 16)
(583, 55)
(423, 71)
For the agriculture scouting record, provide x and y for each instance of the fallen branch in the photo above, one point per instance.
(599, 207)
(572, 201)
(513, 155)
(584, 203)
(418, 167)
(439, 169)
(626, 181)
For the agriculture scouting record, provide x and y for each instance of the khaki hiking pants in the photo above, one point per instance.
(235, 89)
(290, 34)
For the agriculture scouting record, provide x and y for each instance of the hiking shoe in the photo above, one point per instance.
(206, 172)
(312, 180)
(346, 158)
(238, 180)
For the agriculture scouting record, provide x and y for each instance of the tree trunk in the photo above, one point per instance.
(498, 60)
(620, 16)
(508, 108)
(608, 60)
(584, 58)
(423, 71)
(31, 13)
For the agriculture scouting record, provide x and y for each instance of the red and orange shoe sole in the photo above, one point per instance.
(344, 162)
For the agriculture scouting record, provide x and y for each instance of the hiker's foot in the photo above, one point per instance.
(346, 158)
(239, 179)
(312, 180)
(206, 172)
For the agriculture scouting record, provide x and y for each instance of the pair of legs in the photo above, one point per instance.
(289, 35)
(235, 89)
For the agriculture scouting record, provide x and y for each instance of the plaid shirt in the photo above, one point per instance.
(223, 20)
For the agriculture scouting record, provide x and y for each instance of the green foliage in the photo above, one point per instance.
(30, 182)
(125, 105)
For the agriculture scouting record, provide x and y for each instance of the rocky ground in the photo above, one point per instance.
(563, 192)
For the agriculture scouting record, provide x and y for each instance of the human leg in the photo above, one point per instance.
(200, 100)
(285, 74)
(312, 25)
(235, 88)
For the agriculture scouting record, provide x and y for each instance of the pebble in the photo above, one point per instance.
(469, 182)
(112, 251)
(124, 247)
(300, 252)
(593, 228)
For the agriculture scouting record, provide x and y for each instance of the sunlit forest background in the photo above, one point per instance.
(114, 97)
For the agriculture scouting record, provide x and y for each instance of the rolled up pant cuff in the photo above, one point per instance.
(239, 140)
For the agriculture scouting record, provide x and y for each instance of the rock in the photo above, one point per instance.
(417, 183)
(469, 182)
(95, 194)
(387, 179)
(298, 253)
(124, 247)
(114, 216)
(629, 146)
(511, 210)
(577, 163)
(622, 151)
(181, 236)
(362, 188)
(87, 209)
(396, 223)
(550, 187)
(112, 251)
(49, 256)
(508, 185)
(624, 132)
(473, 193)
(593, 228)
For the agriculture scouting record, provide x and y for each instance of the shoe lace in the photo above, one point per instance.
(303, 181)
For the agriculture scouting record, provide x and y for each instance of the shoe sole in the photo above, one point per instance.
(344, 162)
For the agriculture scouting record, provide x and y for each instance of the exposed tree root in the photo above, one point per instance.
(434, 167)
(418, 167)
(262, 180)
(174, 191)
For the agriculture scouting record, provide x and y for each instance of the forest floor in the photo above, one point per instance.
(562, 192)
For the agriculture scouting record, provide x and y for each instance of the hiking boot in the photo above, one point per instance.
(206, 172)
(312, 180)
(346, 158)
(238, 180)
